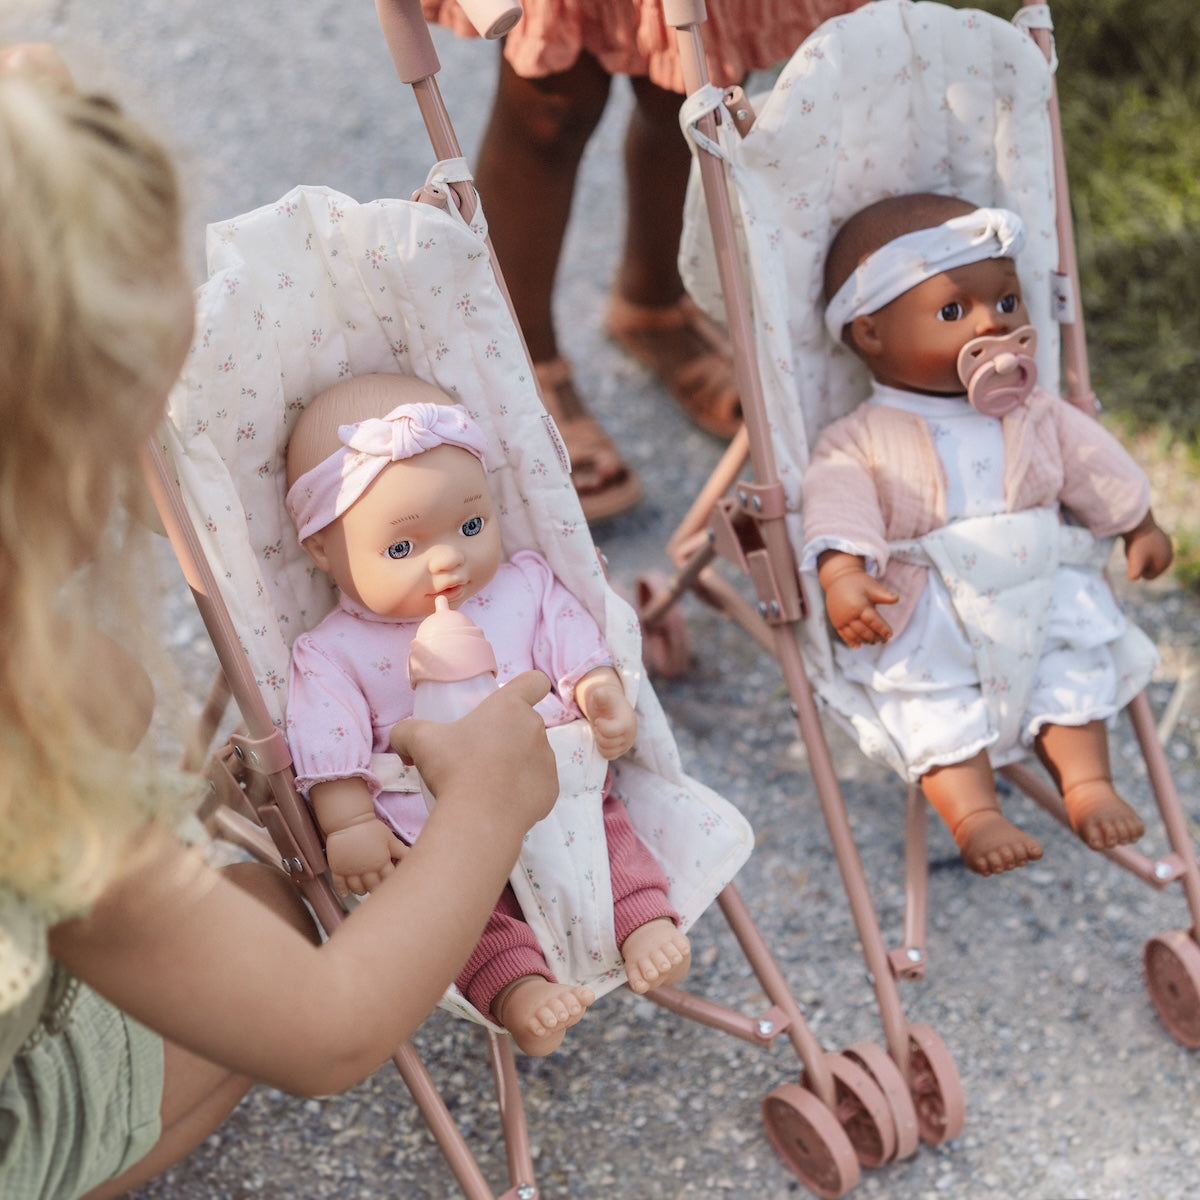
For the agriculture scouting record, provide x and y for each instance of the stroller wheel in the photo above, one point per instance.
(807, 1136)
(882, 1068)
(1172, 967)
(935, 1087)
(665, 646)
(862, 1111)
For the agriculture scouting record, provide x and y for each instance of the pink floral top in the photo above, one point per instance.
(349, 675)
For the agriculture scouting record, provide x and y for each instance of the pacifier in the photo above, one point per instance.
(999, 371)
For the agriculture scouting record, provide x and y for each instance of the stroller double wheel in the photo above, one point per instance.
(879, 1115)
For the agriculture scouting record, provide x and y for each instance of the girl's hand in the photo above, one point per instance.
(498, 751)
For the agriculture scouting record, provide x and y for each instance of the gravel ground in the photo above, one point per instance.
(1074, 1091)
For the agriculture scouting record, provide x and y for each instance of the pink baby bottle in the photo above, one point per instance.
(451, 667)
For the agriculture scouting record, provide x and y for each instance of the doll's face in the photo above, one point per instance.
(425, 527)
(913, 342)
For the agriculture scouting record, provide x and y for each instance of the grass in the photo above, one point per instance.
(1129, 98)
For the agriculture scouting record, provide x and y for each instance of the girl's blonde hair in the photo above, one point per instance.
(95, 315)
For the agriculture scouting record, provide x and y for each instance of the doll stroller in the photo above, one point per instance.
(897, 96)
(315, 287)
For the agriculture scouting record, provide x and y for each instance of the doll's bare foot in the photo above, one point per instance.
(1100, 817)
(538, 1013)
(990, 843)
(656, 954)
(963, 794)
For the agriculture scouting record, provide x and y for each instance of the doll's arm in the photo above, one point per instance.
(360, 848)
(1148, 550)
(602, 700)
(851, 594)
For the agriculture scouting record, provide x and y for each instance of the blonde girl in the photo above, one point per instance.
(139, 989)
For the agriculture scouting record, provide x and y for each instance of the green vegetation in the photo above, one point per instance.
(1129, 97)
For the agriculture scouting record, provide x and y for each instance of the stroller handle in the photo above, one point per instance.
(408, 36)
(492, 18)
(679, 13)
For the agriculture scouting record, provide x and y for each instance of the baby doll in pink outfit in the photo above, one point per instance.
(957, 457)
(387, 487)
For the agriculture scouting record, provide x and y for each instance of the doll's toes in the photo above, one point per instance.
(645, 973)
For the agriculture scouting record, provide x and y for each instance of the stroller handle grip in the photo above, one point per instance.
(679, 14)
(408, 39)
(492, 18)
(408, 36)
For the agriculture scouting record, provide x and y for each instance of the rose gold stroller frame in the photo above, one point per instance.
(740, 520)
(254, 803)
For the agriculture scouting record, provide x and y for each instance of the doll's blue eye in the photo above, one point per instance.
(951, 312)
(399, 550)
(1008, 304)
(472, 526)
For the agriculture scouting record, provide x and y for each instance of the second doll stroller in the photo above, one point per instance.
(898, 96)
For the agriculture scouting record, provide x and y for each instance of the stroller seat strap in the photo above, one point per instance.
(999, 572)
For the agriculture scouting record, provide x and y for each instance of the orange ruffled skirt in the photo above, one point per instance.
(630, 37)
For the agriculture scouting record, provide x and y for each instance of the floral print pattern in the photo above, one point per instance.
(315, 287)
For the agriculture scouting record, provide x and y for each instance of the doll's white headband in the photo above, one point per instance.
(912, 258)
(321, 495)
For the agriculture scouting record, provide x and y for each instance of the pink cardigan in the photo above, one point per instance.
(875, 476)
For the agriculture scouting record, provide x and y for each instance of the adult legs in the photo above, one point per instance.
(649, 314)
(526, 174)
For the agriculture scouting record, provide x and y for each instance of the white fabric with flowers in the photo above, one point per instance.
(317, 287)
(898, 96)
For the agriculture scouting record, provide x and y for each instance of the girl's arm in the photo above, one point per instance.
(196, 958)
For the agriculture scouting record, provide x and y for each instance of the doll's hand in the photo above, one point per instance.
(362, 856)
(850, 598)
(1148, 550)
(498, 752)
(612, 718)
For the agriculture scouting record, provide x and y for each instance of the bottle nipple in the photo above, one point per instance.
(449, 647)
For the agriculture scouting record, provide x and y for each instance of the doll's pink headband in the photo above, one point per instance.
(321, 495)
(912, 258)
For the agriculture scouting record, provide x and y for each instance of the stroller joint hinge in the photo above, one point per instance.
(224, 789)
(434, 194)
(1167, 869)
(763, 501)
(291, 857)
(907, 963)
(774, 606)
(771, 1024)
(735, 534)
(740, 111)
(264, 755)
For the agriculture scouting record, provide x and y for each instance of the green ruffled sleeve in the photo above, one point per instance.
(24, 971)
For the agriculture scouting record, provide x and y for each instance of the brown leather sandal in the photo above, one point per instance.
(605, 484)
(689, 352)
